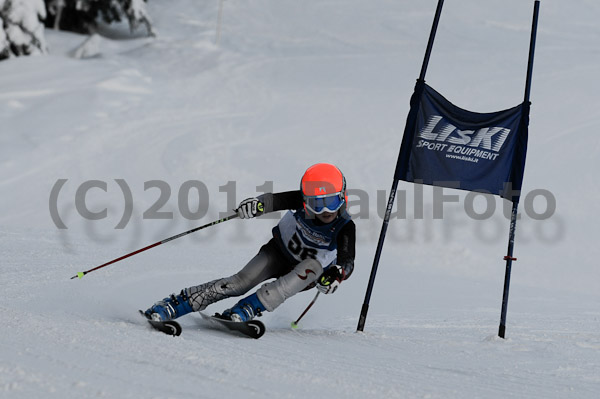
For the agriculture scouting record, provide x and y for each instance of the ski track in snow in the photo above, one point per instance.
(292, 84)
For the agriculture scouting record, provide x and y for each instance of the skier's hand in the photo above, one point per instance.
(250, 208)
(330, 279)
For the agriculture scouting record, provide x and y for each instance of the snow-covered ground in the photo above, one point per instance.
(290, 84)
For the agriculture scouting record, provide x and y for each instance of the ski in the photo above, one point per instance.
(253, 328)
(170, 327)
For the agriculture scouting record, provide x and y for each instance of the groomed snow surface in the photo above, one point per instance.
(290, 84)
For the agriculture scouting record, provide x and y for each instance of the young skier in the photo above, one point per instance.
(313, 244)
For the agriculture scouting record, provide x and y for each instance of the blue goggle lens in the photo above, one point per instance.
(324, 204)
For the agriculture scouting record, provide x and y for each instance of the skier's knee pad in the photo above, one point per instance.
(308, 270)
(276, 292)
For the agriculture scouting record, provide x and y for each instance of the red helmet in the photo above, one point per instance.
(323, 187)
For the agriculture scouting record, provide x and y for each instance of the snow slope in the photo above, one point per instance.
(290, 84)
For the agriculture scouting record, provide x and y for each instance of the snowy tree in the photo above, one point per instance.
(4, 45)
(137, 14)
(21, 28)
(82, 15)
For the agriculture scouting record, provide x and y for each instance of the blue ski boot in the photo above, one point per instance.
(170, 308)
(245, 310)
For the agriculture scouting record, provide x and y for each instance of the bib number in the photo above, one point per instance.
(297, 249)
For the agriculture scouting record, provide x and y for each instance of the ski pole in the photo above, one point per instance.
(81, 274)
(295, 323)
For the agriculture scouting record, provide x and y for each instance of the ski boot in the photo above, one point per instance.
(245, 310)
(170, 308)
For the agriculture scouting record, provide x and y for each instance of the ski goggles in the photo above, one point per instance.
(324, 203)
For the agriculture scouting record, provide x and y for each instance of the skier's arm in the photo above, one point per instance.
(269, 202)
(333, 275)
(346, 248)
(281, 201)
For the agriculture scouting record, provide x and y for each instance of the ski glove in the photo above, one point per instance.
(250, 208)
(330, 279)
